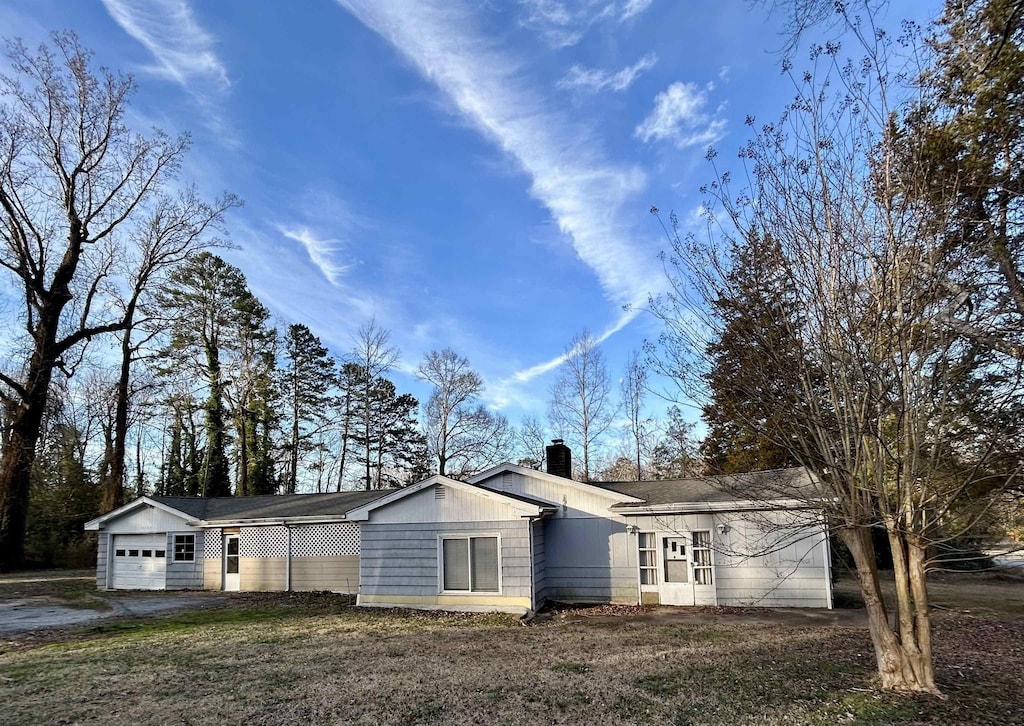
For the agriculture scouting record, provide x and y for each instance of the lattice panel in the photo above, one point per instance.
(263, 542)
(326, 540)
(212, 543)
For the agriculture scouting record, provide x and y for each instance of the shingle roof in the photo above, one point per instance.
(758, 486)
(513, 495)
(271, 506)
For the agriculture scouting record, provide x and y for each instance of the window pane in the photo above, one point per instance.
(702, 575)
(701, 539)
(647, 541)
(485, 564)
(231, 566)
(455, 564)
(133, 553)
(160, 553)
(119, 553)
(648, 558)
(648, 577)
(147, 553)
(232, 546)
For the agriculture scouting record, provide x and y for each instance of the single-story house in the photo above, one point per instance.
(508, 539)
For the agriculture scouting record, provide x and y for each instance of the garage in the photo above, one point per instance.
(139, 562)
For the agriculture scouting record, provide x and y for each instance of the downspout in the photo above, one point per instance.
(288, 559)
(533, 579)
(828, 561)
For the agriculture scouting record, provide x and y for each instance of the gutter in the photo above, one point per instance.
(702, 507)
(267, 522)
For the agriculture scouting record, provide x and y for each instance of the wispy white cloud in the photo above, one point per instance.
(540, 369)
(679, 115)
(184, 51)
(594, 80)
(322, 251)
(632, 8)
(562, 23)
(583, 191)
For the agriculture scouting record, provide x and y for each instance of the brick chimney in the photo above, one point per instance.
(559, 459)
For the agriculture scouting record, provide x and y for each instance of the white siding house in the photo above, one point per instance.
(509, 539)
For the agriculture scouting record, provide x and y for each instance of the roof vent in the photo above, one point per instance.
(440, 492)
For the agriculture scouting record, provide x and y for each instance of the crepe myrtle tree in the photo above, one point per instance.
(901, 416)
(80, 195)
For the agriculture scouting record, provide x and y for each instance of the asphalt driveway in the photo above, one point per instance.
(39, 601)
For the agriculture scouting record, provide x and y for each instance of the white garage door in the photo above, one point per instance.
(139, 562)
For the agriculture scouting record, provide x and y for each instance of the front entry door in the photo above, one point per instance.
(231, 581)
(676, 580)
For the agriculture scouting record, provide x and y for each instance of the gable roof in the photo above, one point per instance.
(776, 486)
(94, 524)
(235, 509)
(591, 488)
(528, 506)
(272, 506)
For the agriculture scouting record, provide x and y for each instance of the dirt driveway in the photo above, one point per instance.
(56, 599)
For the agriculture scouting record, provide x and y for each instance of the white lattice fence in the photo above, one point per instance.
(212, 543)
(326, 540)
(263, 542)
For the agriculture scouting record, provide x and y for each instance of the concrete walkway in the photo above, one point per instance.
(39, 613)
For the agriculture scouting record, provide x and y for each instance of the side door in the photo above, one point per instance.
(676, 579)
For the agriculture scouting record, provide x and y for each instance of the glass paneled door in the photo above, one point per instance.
(676, 583)
(231, 562)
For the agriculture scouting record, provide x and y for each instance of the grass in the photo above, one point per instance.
(71, 588)
(297, 659)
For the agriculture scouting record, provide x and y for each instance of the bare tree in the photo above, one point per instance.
(373, 352)
(74, 184)
(882, 391)
(531, 442)
(462, 435)
(581, 402)
(632, 389)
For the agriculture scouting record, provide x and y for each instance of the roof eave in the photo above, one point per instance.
(704, 507)
(267, 521)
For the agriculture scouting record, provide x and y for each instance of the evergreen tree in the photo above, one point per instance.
(673, 457)
(761, 317)
(307, 383)
(250, 393)
(202, 299)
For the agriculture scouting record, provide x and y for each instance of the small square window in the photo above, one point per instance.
(184, 548)
(133, 553)
(119, 553)
(160, 553)
(147, 553)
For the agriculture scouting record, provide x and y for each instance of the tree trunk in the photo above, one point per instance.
(899, 667)
(112, 486)
(20, 448)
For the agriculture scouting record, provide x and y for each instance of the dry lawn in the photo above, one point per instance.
(311, 659)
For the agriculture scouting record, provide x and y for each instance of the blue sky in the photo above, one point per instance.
(474, 174)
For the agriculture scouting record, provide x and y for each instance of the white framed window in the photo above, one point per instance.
(703, 568)
(184, 548)
(647, 542)
(469, 563)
